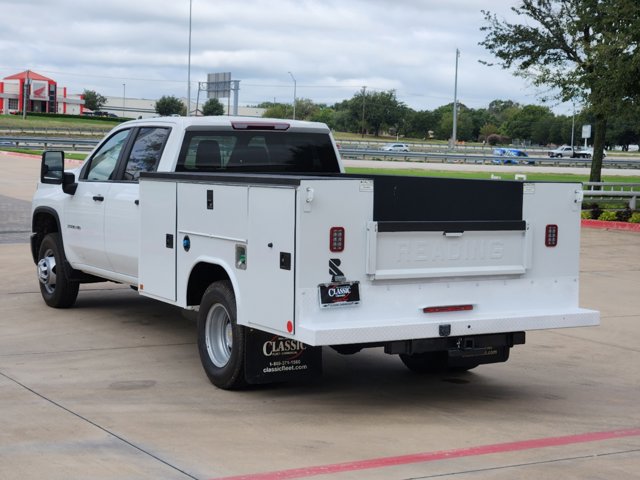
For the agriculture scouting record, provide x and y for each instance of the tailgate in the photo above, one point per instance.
(429, 227)
(399, 250)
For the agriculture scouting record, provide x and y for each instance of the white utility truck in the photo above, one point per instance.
(254, 224)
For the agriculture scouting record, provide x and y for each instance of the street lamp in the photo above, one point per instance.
(364, 96)
(124, 96)
(455, 105)
(294, 95)
(189, 63)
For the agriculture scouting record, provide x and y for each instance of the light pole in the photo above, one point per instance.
(573, 123)
(189, 63)
(294, 95)
(25, 95)
(364, 95)
(454, 135)
(124, 96)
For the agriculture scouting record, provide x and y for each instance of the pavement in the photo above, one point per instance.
(113, 389)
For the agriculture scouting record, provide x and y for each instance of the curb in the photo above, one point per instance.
(18, 154)
(601, 224)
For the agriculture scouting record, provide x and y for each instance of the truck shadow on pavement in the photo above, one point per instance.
(368, 379)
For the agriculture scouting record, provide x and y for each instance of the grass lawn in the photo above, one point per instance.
(16, 121)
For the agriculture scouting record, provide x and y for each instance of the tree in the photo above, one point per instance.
(529, 119)
(420, 124)
(212, 107)
(326, 115)
(582, 49)
(383, 110)
(277, 110)
(93, 100)
(624, 128)
(170, 105)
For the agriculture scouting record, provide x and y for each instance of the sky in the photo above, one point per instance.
(140, 48)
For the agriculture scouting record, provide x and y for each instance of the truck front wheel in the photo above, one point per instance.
(221, 341)
(56, 288)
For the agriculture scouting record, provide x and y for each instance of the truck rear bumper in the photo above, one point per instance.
(317, 334)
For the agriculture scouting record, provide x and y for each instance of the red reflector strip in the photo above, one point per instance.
(551, 236)
(447, 308)
(336, 239)
(259, 126)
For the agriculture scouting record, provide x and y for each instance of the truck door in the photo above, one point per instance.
(121, 214)
(270, 259)
(83, 225)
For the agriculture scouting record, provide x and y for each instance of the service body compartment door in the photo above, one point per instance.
(268, 288)
(157, 260)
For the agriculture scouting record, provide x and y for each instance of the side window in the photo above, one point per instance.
(104, 161)
(146, 151)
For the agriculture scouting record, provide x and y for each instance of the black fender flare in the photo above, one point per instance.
(37, 234)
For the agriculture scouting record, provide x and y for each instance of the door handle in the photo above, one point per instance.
(98, 198)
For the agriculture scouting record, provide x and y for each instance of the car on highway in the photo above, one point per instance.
(395, 147)
(589, 152)
(508, 156)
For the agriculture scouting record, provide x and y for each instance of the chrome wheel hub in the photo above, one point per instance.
(47, 271)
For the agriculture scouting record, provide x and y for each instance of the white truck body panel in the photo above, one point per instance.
(510, 278)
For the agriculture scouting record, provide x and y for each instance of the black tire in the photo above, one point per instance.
(221, 341)
(428, 362)
(432, 362)
(56, 288)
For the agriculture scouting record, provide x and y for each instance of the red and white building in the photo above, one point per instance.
(38, 94)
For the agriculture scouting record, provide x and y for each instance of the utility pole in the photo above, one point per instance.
(294, 95)
(189, 64)
(573, 123)
(454, 136)
(25, 95)
(124, 96)
(364, 95)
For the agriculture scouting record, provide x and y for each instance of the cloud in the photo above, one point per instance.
(332, 47)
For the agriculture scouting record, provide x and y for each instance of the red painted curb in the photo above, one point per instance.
(434, 456)
(18, 154)
(629, 227)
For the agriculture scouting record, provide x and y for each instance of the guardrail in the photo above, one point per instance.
(481, 158)
(610, 191)
(96, 132)
(49, 142)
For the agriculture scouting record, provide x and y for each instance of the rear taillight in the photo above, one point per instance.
(259, 126)
(551, 236)
(336, 239)
(447, 308)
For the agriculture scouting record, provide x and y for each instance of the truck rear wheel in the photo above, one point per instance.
(221, 341)
(56, 288)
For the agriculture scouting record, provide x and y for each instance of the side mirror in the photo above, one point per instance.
(52, 167)
(52, 171)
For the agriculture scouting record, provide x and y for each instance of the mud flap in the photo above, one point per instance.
(272, 358)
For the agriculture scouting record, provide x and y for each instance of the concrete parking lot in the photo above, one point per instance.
(113, 389)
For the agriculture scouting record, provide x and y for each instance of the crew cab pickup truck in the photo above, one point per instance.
(254, 224)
